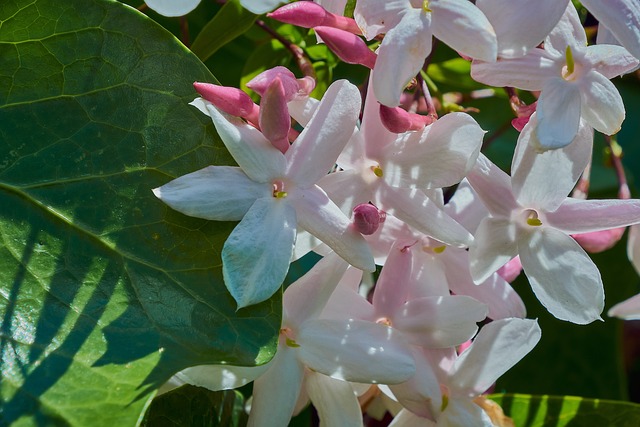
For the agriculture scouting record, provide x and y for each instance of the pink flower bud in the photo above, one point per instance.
(397, 120)
(349, 47)
(275, 120)
(367, 218)
(310, 15)
(599, 241)
(231, 100)
(261, 82)
(511, 270)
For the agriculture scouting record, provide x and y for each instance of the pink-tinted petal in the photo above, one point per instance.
(275, 121)
(335, 401)
(466, 207)
(627, 310)
(322, 218)
(542, 180)
(497, 348)
(260, 160)
(379, 16)
(633, 246)
(446, 151)
(375, 138)
(439, 322)
(562, 275)
(274, 405)
(602, 105)
(463, 26)
(416, 209)
(315, 151)
(568, 32)
(172, 7)
(494, 245)
(307, 296)
(220, 193)
(256, 255)
(355, 350)
(622, 17)
(262, 81)
(528, 72)
(493, 186)
(401, 56)
(583, 216)
(303, 109)
(391, 289)
(558, 113)
(519, 25)
(610, 61)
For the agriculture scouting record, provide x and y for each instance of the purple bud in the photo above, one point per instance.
(367, 218)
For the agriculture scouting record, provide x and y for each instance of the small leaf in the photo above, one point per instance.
(230, 22)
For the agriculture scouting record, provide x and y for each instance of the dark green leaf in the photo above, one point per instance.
(191, 406)
(231, 21)
(105, 291)
(561, 411)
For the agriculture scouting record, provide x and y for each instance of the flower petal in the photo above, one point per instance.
(558, 113)
(576, 216)
(446, 151)
(465, 207)
(401, 56)
(519, 25)
(497, 348)
(375, 137)
(335, 401)
(627, 310)
(220, 193)
(464, 412)
(379, 16)
(494, 245)
(622, 18)
(260, 6)
(568, 32)
(315, 151)
(610, 61)
(602, 105)
(562, 275)
(462, 26)
(256, 255)
(355, 350)
(527, 72)
(439, 322)
(274, 405)
(493, 186)
(172, 7)
(220, 377)
(257, 157)
(391, 289)
(543, 180)
(321, 217)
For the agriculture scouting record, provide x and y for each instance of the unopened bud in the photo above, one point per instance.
(307, 14)
(599, 241)
(275, 121)
(397, 120)
(367, 218)
(348, 47)
(231, 100)
(511, 270)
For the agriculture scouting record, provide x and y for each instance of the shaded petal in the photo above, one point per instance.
(346, 189)
(558, 113)
(568, 32)
(260, 6)
(379, 16)
(577, 216)
(322, 218)
(392, 286)
(529, 72)
(401, 56)
(495, 292)
(257, 157)
(302, 109)
(466, 207)
(494, 245)
(256, 255)
(439, 322)
(220, 377)
(375, 136)
(447, 150)
(562, 275)
(416, 209)
(464, 412)
(355, 350)
(307, 296)
(493, 186)
(519, 25)
(542, 180)
(610, 61)
(172, 7)
(622, 18)
(602, 105)
(497, 348)
(633, 246)
(462, 26)
(271, 405)
(335, 401)
(220, 193)
(315, 151)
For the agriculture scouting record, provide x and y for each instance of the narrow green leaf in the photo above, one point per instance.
(105, 292)
(349, 8)
(560, 411)
(230, 22)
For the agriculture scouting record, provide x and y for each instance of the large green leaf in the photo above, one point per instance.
(561, 411)
(105, 291)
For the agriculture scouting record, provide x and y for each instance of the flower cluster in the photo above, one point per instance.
(362, 184)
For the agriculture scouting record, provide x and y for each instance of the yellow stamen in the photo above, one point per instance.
(570, 62)
(291, 343)
(377, 171)
(445, 402)
(439, 249)
(279, 194)
(425, 6)
(534, 222)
